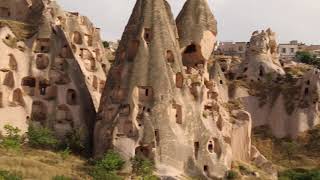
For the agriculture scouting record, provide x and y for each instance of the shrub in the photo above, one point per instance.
(106, 167)
(6, 175)
(11, 139)
(100, 174)
(61, 178)
(231, 174)
(65, 153)
(40, 137)
(143, 167)
(73, 142)
(300, 174)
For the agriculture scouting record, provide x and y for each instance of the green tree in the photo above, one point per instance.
(290, 148)
(306, 57)
(106, 168)
(144, 168)
(11, 139)
(41, 137)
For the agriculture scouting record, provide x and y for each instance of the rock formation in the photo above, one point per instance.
(285, 98)
(163, 105)
(51, 70)
(262, 58)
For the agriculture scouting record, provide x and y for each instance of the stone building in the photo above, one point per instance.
(232, 49)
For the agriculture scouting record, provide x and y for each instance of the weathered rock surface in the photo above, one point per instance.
(284, 97)
(51, 70)
(163, 105)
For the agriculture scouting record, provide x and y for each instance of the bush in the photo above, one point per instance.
(306, 57)
(300, 174)
(11, 139)
(6, 175)
(231, 174)
(73, 142)
(61, 178)
(143, 167)
(65, 153)
(40, 137)
(106, 168)
(100, 174)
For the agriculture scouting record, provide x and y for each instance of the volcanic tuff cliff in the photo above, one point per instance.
(283, 96)
(163, 105)
(52, 68)
(166, 97)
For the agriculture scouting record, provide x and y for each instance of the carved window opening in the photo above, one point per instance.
(9, 79)
(13, 65)
(147, 35)
(42, 61)
(145, 93)
(28, 81)
(210, 147)
(95, 82)
(42, 45)
(196, 149)
(125, 110)
(157, 136)
(170, 56)
(43, 84)
(5, 12)
(71, 97)
(192, 56)
(308, 82)
(143, 151)
(261, 71)
(221, 82)
(178, 113)
(206, 169)
(39, 112)
(190, 49)
(77, 37)
(18, 97)
(306, 91)
(179, 80)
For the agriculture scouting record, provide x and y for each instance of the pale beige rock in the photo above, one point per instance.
(44, 79)
(164, 106)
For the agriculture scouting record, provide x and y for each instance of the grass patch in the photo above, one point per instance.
(300, 153)
(6, 175)
(300, 174)
(11, 140)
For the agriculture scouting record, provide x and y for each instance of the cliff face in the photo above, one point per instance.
(282, 96)
(51, 70)
(161, 104)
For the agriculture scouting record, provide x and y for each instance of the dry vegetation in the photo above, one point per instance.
(40, 164)
(287, 153)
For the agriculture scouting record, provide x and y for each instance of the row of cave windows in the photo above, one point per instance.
(77, 38)
(192, 51)
(39, 113)
(43, 85)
